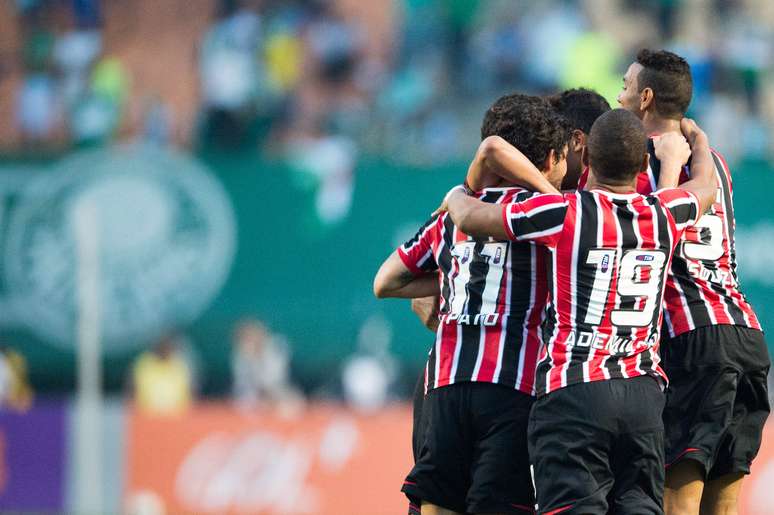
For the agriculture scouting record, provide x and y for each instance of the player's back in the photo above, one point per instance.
(493, 296)
(703, 286)
(609, 265)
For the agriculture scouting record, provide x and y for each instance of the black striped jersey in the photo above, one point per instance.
(609, 256)
(493, 298)
(703, 285)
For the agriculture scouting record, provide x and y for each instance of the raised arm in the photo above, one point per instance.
(394, 279)
(497, 161)
(673, 151)
(703, 182)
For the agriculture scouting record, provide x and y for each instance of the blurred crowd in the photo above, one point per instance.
(165, 378)
(407, 81)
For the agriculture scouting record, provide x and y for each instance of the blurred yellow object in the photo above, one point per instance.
(110, 80)
(162, 384)
(283, 61)
(593, 62)
(19, 393)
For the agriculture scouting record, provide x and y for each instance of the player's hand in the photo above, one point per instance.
(426, 308)
(673, 148)
(443, 208)
(692, 131)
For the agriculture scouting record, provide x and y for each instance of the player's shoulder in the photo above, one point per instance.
(504, 194)
(671, 198)
(671, 194)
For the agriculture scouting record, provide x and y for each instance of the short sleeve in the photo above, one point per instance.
(417, 253)
(539, 219)
(681, 204)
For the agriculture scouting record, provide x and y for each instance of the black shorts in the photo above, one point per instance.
(599, 446)
(717, 401)
(417, 430)
(473, 456)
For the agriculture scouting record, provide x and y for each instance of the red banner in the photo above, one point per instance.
(757, 491)
(216, 459)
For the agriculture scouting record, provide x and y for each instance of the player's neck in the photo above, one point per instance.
(657, 125)
(595, 184)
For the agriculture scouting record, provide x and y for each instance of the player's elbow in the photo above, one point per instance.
(380, 286)
(490, 146)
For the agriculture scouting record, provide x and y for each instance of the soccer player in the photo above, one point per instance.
(580, 107)
(714, 351)
(480, 372)
(595, 431)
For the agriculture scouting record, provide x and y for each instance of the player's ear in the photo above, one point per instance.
(585, 156)
(647, 99)
(577, 141)
(645, 162)
(550, 161)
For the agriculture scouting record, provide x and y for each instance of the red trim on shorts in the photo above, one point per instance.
(523, 507)
(559, 510)
(686, 451)
(410, 483)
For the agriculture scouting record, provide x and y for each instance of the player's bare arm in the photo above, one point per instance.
(474, 217)
(673, 151)
(703, 182)
(395, 280)
(497, 162)
(426, 309)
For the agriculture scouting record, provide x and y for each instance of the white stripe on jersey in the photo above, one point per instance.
(528, 314)
(618, 245)
(573, 283)
(600, 226)
(424, 258)
(539, 234)
(505, 319)
(536, 210)
(480, 355)
(457, 349)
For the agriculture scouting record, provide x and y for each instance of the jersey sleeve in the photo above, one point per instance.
(681, 204)
(417, 253)
(539, 219)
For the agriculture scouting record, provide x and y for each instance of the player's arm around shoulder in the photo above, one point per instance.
(528, 220)
(703, 183)
(496, 161)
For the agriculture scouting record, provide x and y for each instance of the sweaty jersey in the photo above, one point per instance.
(702, 286)
(493, 297)
(609, 256)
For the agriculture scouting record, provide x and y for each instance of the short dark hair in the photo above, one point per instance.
(528, 123)
(669, 76)
(617, 145)
(580, 106)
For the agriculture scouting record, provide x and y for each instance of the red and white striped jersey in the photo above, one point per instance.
(493, 298)
(609, 256)
(703, 285)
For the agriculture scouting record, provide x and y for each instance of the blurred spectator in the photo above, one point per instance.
(162, 379)
(260, 363)
(329, 162)
(368, 376)
(37, 109)
(15, 391)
